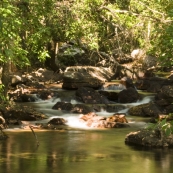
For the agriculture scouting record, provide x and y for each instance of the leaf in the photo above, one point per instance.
(8, 52)
(163, 122)
(151, 126)
(164, 127)
(168, 131)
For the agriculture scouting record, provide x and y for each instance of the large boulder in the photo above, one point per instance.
(149, 138)
(84, 109)
(2, 122)
(167, 90)
(145, 110)
(164, 98)
(45, 75)
(57, 121)
(53, 124)
(113, 86)
(128, 95)
(90, 96)
(147, 61)
(85, 76)
(22, 113)
(2, 126)
(152, 84)
(127, 82)
(81, 108)
(110, 95)
(77, 108)
(63, 106)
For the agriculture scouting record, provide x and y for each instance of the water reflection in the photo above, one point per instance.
(160, 158)
(101, 151)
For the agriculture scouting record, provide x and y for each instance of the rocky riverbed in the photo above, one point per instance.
(110, 96)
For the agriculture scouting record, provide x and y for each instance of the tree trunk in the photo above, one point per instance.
(5, 78)
(50, 62)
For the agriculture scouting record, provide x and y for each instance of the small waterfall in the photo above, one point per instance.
(113, 87)
(45, 106)
(74, 121)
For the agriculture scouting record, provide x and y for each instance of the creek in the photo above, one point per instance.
(78, 149)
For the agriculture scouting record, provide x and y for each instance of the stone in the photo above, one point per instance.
(162, 99)
(147, 61)
(145, 110)
(149, 138)
(63, 106)
(128, 95)
(94, 121)
(138, 53)
(117, 118)
(44, 75)
(23, 113)
(127, 82)
(81, 108)
(90, 96)
(152, 84)
(2, 122)
(85, 76)
(110, 95)
(57, 121)
(167, 90)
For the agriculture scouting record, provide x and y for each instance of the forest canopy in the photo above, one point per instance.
(28, 26)
(33, 30)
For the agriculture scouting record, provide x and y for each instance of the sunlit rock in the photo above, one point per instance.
(85, 76)
(149, 138)
(92, 120)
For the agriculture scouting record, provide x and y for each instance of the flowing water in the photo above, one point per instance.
(78, 149)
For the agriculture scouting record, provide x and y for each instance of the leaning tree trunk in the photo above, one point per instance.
(6, 78)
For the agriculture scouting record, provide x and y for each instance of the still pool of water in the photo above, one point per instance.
(79, 151)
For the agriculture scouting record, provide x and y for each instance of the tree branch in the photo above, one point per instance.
(113, 12)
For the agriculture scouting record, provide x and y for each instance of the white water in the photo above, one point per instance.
(73, 118)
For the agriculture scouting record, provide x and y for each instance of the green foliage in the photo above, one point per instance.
(28, 26)
(2, 98)
(101, 25)
(10, 24)
(165, 126)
